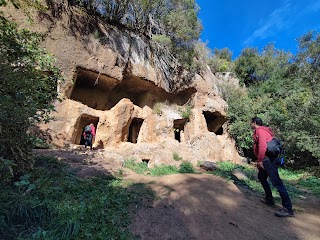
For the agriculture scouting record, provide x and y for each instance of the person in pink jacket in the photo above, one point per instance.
(267, 168)
(89, 135)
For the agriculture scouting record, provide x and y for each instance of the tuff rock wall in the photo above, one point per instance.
(124, 85)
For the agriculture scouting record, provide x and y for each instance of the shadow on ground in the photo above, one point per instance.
(85, 163)
(208, 207)
(198, 206)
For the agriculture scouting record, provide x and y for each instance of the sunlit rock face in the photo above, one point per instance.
(142, 106)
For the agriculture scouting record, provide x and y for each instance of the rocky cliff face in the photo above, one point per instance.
(142, 105)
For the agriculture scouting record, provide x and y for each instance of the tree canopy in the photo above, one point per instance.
(283, 89)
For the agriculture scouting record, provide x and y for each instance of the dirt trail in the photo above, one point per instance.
(204, 206)
(193, 206)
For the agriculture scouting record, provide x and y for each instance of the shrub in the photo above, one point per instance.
(186, 167)
(186, 112)
(28, 84)
(139, 168)
(163, 40)
(38, 143)
(157, 108)
(227, 166)
(176, 156)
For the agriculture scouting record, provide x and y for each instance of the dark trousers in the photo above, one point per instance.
(271, 170)
(88, 140)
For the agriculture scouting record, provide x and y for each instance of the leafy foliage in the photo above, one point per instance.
(218, 61)
(284, 91)
(28, 85)
(176, 156)
(185, 112)
(293, 179)
(172, 24)
(52, 203)
(139, 168)
(186, 167)
(252, 66)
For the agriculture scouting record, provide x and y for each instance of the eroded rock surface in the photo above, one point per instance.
(140, 108)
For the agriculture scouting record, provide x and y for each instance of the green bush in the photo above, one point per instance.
(186, 167)
(176, 156)
(284, 91)
(28, 84)
(227, 166)
(186, 112)
(38, 143)
(163, 40)
(139, 168)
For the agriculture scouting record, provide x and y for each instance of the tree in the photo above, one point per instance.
(28, 83)
(252, 66)
(224, 53)
(221, 60)
(284, 91)
(174, 24)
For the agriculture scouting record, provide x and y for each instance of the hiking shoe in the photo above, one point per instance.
(267, 202)
(284, 213)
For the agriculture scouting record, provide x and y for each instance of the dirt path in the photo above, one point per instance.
(192, 206)
(203, 206)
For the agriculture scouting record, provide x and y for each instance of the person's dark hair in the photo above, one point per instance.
(257, 121)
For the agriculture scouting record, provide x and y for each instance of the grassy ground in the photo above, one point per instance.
(142, 168)
(52, 203)
(297, 182)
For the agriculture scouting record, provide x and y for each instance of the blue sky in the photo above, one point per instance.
(238, 24)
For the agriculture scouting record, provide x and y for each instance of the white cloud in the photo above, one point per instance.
(279, 19)
(283, 18)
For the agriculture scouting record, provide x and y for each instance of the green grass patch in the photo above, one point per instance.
(51, 202)
(302, 178)
(311, 183)
(291, 179)
(139, 168)
(160, 170)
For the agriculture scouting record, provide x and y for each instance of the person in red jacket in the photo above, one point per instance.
(267, 168)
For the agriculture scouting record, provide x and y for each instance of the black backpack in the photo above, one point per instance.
(276, 152)
(87, 129)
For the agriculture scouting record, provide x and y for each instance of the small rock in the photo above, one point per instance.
(302, 197)
(239, 174)
(208, 166)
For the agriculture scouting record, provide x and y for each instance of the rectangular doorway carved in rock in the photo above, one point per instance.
(83, 121)
(178, 127)
(134, 130)
(214, 122)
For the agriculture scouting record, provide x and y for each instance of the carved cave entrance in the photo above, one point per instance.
(101, 92)
(178, 127)
(134, 130)
(214, 122)
(84, 121)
